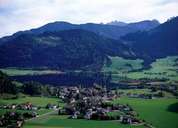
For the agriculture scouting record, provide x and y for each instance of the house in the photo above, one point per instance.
(75, 115)
(51, 106)
(19, 124)
(89, 114)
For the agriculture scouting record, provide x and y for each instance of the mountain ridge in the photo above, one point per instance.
(110, 31)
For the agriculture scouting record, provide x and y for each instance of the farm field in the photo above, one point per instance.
(164, 68)
(20, 72)
(55, 121)
(155, 111)
(38, 101)
(158, 112)
(121, 65)
(40, 112)
(143, 91)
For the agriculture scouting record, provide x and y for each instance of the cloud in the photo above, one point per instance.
(18, 15)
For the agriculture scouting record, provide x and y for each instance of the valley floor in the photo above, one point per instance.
(156, 112)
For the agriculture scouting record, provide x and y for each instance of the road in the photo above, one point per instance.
(43, 115)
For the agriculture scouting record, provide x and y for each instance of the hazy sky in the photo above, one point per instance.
(18, 15)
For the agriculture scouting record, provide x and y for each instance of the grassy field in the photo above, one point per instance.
(165, 68)
(40, 112)
(121, 65)
(155, 111)
(21, 72)
(161, 113)
(144, 91)
(38, 101)
(162, 68)
(55, 121)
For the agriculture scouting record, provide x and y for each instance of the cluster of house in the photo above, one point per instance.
(143, 96)
(52, 106)
(24, 106)
(158, 94)
(95, 104)
(27, 106)
(14, 119)
(11, 119)
(70, 94)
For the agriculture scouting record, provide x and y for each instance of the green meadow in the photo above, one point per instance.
(55, 121)
(121, 65)
(161, 113)
(20, 71)
(38, 101)
(40, 112)
(164, 68)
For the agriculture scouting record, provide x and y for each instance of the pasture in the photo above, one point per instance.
(20, 71)
(55, 121)
(164, 68)
(38, 101)
(157, 112)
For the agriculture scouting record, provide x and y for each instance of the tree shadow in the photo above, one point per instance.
(173, 108)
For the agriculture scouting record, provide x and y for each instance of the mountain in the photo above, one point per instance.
(141, 26)
(159, 42)
(144, 25)
(66, 46)
(65, 50)
(117, 23)
(109, 31)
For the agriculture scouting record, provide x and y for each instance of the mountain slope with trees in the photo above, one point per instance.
(159, 42)
(65, 50)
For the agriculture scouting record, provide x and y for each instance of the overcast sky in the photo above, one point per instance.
(18, 15)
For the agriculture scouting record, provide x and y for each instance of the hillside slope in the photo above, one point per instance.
(159, 42)
(65, 50)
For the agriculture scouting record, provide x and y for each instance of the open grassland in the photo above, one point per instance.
(40, 112)
(161, 113)
(55, 121)
(121, 65)
(124, 92)
(38, 101)
(164, 68)
(161, 68)
(21, 72)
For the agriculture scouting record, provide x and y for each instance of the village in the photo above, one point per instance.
(95, 104)
(17, 114)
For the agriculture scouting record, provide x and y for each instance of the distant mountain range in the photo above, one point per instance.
(106, 30)
(117, 23)
(142, 25)
(65, 46)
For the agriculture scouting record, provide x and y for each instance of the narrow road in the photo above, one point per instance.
(43, 115)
